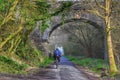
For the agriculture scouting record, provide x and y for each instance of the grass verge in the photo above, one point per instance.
(90, 63)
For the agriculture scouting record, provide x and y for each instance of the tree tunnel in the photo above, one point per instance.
(84, 20)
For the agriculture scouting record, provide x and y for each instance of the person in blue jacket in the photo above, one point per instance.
(57, 54)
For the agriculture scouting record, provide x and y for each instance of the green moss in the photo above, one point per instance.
(44, 25)
(64, 6)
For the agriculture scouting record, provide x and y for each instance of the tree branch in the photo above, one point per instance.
(102, 7)
(14, 43)
(96, 13)
(17, 43)
(10, 36)
(9, 16)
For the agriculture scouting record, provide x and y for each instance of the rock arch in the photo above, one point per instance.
(96, 25)
(49, 31)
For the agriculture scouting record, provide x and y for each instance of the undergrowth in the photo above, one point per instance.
(46, 62)
(7, 65)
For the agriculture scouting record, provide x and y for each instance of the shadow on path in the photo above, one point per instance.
(65, 61)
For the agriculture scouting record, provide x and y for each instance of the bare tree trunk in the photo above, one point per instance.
(112, 65)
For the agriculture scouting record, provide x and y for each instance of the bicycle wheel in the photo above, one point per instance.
(56, 63)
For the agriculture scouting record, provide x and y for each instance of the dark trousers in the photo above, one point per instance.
(57, 57)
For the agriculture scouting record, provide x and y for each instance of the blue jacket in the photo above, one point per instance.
(57, 52)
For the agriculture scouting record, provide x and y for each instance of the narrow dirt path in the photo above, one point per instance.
(66, 71)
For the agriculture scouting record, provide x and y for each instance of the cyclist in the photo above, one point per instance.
(57, 54)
